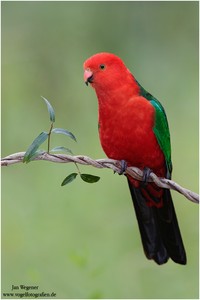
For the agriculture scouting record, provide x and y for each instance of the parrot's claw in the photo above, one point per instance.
(146, 174)
(123, 167)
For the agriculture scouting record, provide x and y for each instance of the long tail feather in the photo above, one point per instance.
(159, 230)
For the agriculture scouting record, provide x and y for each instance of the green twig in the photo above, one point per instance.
(49, 137)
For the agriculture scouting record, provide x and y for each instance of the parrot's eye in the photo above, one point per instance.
(102, 66)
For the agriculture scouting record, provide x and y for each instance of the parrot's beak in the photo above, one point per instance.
(88, 76)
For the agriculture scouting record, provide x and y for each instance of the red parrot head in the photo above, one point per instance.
(105, 71)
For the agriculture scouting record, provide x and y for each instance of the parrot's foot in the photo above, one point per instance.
(123, 167)
(145, 177)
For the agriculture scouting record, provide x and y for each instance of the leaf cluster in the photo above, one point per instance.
(33, 150)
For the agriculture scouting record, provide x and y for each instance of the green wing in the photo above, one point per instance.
(161, 128)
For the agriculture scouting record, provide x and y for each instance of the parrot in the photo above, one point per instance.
(133, 128)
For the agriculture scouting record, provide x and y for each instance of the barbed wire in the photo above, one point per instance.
(115, 165)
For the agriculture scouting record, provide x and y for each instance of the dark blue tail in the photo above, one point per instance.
(159, 230)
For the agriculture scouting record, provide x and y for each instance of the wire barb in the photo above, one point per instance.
(115, 165)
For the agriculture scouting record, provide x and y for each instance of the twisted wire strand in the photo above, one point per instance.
(115, 165)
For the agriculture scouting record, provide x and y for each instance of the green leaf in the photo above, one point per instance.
(50, 110)
(90, 178)
(36, 154)
(64, 131)
(69, 179)
(60, 148)
(34, 146)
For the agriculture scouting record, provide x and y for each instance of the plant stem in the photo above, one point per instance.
(49, 136)
(79, 172)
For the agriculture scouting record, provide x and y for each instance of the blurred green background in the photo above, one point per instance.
(82, 240)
